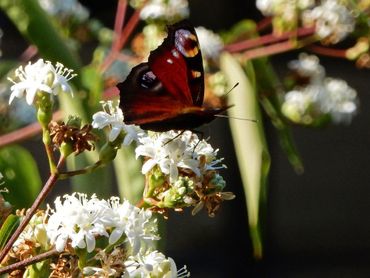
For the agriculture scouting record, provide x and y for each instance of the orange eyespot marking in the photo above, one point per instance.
(186, 42)
(196, 74)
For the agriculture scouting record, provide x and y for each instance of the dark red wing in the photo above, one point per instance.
(167, 92)
(177, 62)
(144, 99)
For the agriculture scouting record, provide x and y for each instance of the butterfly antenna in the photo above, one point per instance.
(236, 85)
(236, 118)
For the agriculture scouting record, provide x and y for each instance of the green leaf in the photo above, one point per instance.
(129, 177)
(7, 229)
(21, 176)
(33, 22)
(93, 81)
(250, 145)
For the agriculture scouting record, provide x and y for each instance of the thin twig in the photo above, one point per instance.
(29, 261)
(26, 132)
(118, 23)
(267, 39)
(30, 212)
(326, 51)
(126, 33)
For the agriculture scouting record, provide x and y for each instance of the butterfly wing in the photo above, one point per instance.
(144, 99)
(170, 82)
(177, 62)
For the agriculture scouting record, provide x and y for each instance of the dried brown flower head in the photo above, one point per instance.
(78, 138)
(65, 267)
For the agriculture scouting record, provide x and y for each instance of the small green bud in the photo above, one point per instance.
(156, 179)
(74, 121)
(108, 152)
(218, 182)
(179, 194)
(66, 149)
(44, 106)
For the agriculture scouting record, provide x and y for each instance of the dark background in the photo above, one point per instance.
(317, 223)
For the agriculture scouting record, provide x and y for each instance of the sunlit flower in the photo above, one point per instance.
(137, 224)
(111, 264)
(33, 236)
(211, 44)
(153, 264)
(78, 219)
(112, 117)
(169, 10)
(169, 151)
(333, 21)
(285, 8)
(40, 77)
(65, 8)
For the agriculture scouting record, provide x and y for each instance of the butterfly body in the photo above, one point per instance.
(167, 92)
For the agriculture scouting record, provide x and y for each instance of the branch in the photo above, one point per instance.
(29, 261)
(25, 132)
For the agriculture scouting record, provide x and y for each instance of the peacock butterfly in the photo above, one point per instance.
(167, 91)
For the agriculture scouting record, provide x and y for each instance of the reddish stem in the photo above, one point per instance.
(118, 23)
(31, 211)
(25, 132)
(29, 53)
(267, 39)
(264, 23)
(269, 50)
(127, 31)
(29, 261)
(326, 51)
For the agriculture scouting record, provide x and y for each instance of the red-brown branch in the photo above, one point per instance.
(25, 132)
(267, 39)
(29, 261)
(118, 23)
(326, 51)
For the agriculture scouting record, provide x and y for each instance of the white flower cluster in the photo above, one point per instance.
(65, 8)
(41, 76)
(168, 10)
(169, 150)
(210, 43)
(173, 150)
(323, 96)
(153, 264)
(112, 117)
(286, 9)
(333, 20)
(80, 220)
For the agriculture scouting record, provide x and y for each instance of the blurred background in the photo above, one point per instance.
(317, 223)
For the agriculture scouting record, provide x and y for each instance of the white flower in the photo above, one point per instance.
(78, 219)
(333, 21)
(341, 100)
(169, 10)
(173, 150)
(137, 224)
(285, 8)
(40, 77)
(35, 231)
(332, 97)
(112, 116)
(65, 8)
(168, 150)
(211, 44)
(308, 66)
(153, 264)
